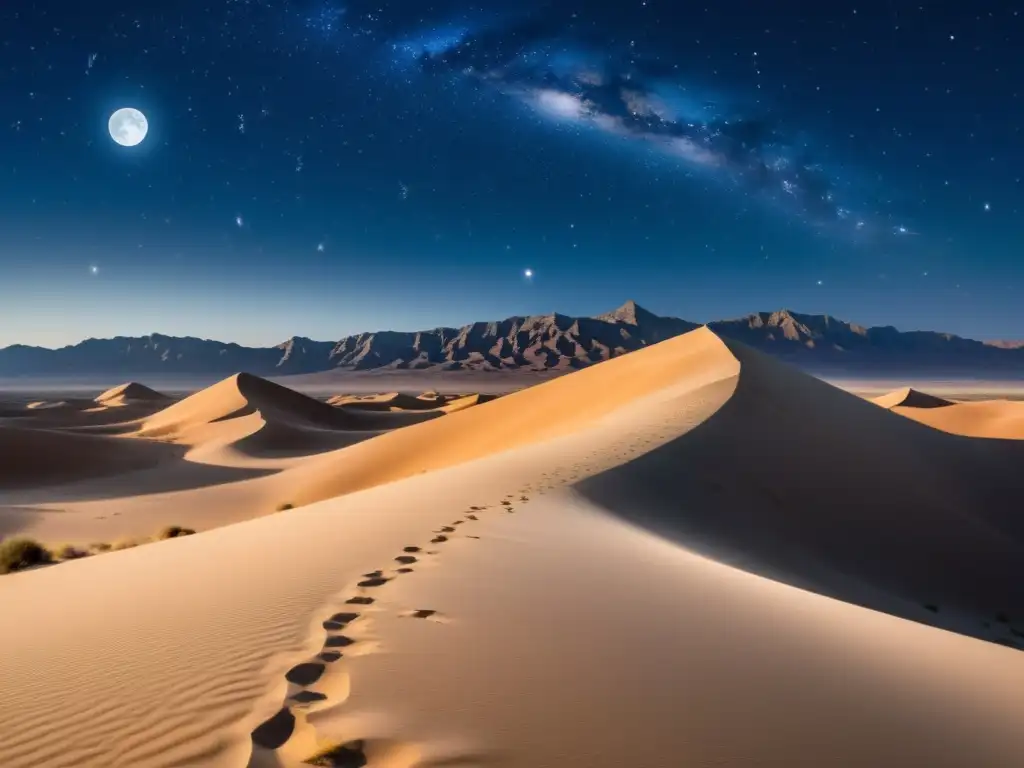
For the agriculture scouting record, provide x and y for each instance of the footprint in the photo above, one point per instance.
(439, 539)
(447, 529)
(308, 697)
(375, 581)
(305, 674)
(506, 503)
(411, 549)
(338, 641)
(339, 620)
(405, 559)
(403, 570)
(360, 601)
(422, 613)
(329, 656)
(274, 732)
(373, 574)
(472, 517)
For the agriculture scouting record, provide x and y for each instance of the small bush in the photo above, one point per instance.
(174, 531)
(69, 552)
(16, 554)
(284, 506)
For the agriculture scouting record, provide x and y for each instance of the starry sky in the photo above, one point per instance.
(321, 168)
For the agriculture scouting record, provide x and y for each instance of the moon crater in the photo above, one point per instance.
(128, 126)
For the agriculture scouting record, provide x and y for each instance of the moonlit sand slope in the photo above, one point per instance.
(998, 419)
(594, 572)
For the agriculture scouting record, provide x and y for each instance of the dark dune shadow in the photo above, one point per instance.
(282, 440)
(806, 484)
(179, 475)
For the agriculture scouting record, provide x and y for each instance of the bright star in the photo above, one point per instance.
(94, 270)
(527, 273)
(320, 247)
(987, 207)
(238, 221)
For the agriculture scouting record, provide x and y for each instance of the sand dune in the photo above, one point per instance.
(690, 555)
(910, 398)
(554, 408)
(234, 439)
(255, 415)
(998, 419)
(130, 392)
(795, 479)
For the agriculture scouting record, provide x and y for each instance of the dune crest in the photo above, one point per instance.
(130, 392)
(529, 416)
(910, 398)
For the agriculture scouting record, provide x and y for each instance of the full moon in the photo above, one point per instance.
(128, 126)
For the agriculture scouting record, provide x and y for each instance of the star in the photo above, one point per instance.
(238, 221)
(528, 273)
(320, 247)
(987, 207)
(93, 269)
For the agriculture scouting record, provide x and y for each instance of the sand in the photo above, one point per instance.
(691, 555)
(996, 419)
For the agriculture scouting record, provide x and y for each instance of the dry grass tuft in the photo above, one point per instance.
(16, 554)
(173, 532)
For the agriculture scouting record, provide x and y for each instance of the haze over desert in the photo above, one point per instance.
(691, 554)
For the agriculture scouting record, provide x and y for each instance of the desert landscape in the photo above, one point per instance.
(691, 554)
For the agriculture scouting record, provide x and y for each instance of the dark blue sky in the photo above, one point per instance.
(320, 168)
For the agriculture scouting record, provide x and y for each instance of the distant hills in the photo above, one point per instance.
(554, 342)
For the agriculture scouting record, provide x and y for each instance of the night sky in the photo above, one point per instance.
(319, 168)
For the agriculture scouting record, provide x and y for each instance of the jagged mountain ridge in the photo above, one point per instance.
(552, 342)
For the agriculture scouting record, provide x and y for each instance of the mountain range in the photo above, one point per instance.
(553, 342)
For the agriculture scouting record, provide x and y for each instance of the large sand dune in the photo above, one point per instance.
(688, 556)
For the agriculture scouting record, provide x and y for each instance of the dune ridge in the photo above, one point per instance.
(130, 392)
(910, 398)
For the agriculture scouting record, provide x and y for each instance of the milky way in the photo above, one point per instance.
(648, 101)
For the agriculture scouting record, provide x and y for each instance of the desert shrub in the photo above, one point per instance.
(174, 531)
(16, 554)
(284, 506)
(69, 552)
(100, 546)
